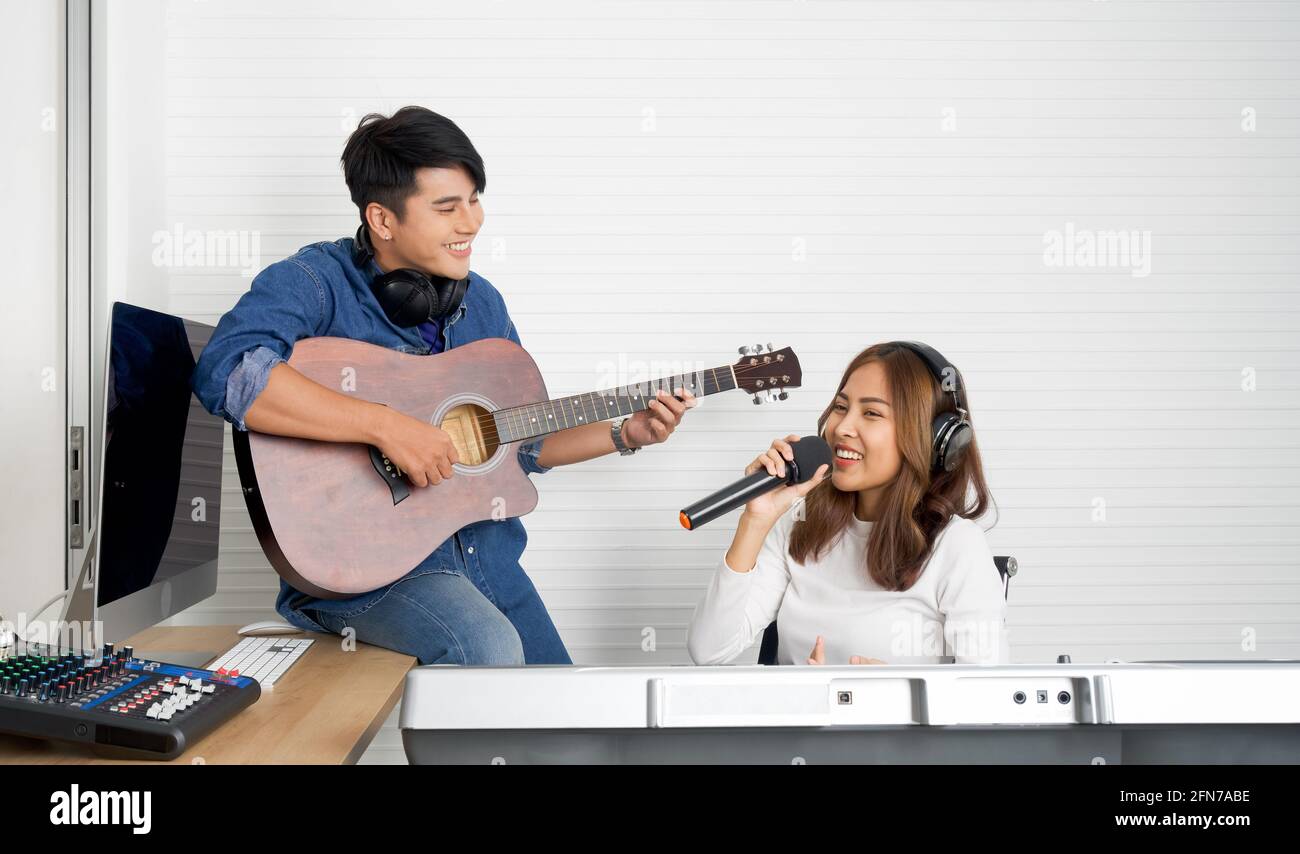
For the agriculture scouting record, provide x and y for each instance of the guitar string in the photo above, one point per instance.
(658, 384)
(487, 423)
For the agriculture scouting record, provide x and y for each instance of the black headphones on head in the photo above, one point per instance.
(406, 295)
(951, 432)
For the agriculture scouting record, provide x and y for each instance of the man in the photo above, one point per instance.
(415, 178)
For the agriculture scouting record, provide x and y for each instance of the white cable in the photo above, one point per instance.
(7, 635)
(57, 597)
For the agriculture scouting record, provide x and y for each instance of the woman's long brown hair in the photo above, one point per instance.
(918, 504)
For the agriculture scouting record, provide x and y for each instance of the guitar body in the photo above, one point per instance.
(331, 521)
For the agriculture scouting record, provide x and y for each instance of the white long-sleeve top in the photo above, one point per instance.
(955, 612)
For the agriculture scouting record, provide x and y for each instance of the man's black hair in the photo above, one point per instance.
(383, 153)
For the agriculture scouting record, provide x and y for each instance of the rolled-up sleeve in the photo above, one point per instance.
(246, 381)
(529, 451)
(528, 458)
(286, 303)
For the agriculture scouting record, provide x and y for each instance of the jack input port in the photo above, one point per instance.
(1063, 697)
(1019, 697)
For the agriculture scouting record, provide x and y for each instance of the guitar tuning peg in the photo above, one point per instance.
(744, 351)
(757, 400)
(770, 348)
(783, 395)
(758, 348)
(771, 395)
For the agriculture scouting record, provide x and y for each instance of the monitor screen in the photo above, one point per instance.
(162, 456)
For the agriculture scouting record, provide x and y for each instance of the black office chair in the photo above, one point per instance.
(1006, 565)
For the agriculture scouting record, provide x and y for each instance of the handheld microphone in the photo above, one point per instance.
(810, 454)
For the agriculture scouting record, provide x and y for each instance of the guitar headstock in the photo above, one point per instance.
(767, 375)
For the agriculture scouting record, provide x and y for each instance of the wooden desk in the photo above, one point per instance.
(324, 710)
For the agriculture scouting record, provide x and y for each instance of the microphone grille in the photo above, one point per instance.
(810, 454)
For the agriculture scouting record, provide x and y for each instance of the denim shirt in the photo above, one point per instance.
(320, 291)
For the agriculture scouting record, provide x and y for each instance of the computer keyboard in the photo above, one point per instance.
(262, 658)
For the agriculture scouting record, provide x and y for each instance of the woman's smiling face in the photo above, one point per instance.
(860, 430)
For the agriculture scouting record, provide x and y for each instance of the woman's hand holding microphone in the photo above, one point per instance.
(771, 505)
(761, 513)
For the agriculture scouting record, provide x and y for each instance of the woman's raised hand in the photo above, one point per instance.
(772, 504)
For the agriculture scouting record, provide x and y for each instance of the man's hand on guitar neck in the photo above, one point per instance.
(655, 424)
(293, 405)
(648, 427)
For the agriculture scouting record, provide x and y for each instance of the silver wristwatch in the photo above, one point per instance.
(616, 431)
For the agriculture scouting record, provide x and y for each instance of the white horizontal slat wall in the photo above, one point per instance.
(669, 180)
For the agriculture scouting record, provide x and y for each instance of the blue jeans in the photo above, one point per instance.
(442, 618)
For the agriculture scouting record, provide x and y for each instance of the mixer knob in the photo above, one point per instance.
(22, 687)
(128, 652)
(61, 693)
(6, 685)
(45, 692)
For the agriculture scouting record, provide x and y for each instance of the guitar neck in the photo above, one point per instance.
(538, 419)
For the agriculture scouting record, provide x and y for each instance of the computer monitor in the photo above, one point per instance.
(156, 543)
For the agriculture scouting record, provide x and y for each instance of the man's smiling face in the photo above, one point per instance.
(437, 226)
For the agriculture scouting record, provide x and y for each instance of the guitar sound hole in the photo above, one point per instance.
(472, 431)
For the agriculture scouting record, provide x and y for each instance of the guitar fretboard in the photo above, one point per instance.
(538, 419)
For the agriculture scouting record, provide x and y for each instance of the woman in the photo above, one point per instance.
(882, 561)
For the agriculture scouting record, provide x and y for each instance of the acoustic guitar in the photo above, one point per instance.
(337, 519)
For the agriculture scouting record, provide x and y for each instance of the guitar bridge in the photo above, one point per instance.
(391, 474)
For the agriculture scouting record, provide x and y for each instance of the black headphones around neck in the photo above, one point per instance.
(406, 295)
(951, 432)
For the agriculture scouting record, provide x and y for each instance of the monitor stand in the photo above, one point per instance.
(80, 607)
